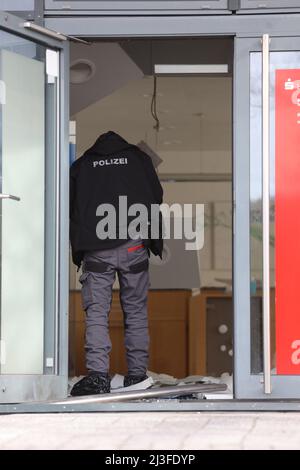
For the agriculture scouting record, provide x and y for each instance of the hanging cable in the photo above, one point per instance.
(154, 104)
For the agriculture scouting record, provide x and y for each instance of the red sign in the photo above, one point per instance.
(287, 221)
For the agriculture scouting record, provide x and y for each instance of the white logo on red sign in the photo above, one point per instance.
(295, 358)
(293, 85)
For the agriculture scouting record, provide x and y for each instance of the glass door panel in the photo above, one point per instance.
(273, 350)
(284, 72)
(29, 219)
(22, 217)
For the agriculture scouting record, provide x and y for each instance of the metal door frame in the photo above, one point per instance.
(57, 384)
(167, 26)
(235, 26)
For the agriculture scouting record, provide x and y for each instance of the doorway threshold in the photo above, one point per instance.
(157, 405)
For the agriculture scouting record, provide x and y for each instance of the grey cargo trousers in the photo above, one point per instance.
(130, 262)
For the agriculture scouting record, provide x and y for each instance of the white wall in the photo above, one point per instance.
(194, 138)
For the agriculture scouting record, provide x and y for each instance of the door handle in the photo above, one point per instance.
(266, 212)
(9, 196)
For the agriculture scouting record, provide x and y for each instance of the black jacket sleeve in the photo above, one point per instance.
(156, 187)
(73, 174)
(153, 245)
(77, 256)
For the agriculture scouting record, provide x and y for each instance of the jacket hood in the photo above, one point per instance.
(107, 144)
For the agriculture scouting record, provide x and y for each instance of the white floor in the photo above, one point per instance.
(163, 431)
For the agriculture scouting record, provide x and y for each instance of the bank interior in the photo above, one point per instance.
(184, 119)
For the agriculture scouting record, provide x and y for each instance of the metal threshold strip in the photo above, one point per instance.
(165, 392)
(182, 406)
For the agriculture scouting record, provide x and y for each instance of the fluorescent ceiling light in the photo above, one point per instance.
(190, 69)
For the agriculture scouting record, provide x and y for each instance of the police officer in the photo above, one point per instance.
(109, 169)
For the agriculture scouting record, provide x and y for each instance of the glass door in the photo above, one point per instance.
(267, 229)
(32, 303)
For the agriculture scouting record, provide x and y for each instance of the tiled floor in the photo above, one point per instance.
(169, 431)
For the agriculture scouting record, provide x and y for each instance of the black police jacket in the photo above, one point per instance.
(110, 168)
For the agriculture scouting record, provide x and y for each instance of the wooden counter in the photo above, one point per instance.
(168, 313)
(184, 333)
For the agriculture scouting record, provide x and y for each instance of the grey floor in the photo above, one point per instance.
(164, 431)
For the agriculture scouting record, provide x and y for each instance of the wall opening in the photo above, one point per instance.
(190, 303)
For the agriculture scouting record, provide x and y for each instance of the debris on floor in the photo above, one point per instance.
(156, 380)
(168, 380)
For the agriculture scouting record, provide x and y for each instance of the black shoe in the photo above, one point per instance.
(134, 379)
(92, 384)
